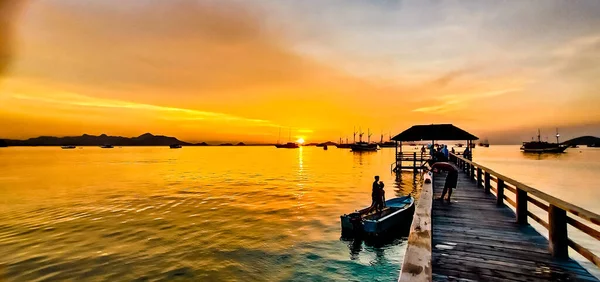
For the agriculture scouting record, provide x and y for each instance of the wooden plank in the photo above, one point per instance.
(510, 201)
(512, 271)
(474, 239)
(581, 212)
(417, 259)
(585, 253)
(538, 220)
(539, 204)
(586, 229)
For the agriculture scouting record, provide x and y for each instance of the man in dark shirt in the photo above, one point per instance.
(451, 178)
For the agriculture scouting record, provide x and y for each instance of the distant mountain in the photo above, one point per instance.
(583, 140)
(146, 139)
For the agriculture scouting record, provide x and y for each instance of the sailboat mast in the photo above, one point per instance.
(539, 136)
(354, 135)
(279, 138)
(557, 135)
(360, 134)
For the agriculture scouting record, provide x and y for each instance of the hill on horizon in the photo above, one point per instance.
(583, 140)
(146, 139)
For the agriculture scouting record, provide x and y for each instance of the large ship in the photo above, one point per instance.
(361, 146)
(540, 146)
(288, 145)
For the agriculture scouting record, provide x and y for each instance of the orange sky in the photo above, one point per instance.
(240, 70)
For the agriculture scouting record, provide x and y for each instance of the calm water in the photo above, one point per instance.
(222, 213)
(203, 213)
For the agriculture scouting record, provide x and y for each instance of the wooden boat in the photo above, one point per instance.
(68, 147)
(540, 146)
(343, 146)
(372, 223)
(363, 147)
(288, 145)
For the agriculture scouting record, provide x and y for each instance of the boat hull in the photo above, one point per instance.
(544, 150)
(397, 212)
(363, 147)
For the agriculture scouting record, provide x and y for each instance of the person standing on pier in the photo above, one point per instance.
(451, 178)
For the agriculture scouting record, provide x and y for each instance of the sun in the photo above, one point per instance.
(300, 141)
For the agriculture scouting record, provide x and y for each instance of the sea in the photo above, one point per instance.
(241, 213)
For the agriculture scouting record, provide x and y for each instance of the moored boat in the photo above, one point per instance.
(363, 147)
(107, 146)
(175, 146)
(370, 223)
(540, 146)
(288, 145)
(68, 147)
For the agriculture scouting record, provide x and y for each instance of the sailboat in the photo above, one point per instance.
(387, 144)
(361, 146)
(540, 146)
(289, 144)
(347, 145)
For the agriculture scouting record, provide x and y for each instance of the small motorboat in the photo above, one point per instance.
(371, 223)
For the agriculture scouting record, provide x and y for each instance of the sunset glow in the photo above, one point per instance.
(240, 70)
(300, 141)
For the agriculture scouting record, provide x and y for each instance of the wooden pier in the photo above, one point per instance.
(477, 237)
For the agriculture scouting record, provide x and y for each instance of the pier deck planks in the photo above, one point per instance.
(474, 240)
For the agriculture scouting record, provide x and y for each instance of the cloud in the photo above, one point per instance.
(9, 10)
(172, 113)
(454, 102)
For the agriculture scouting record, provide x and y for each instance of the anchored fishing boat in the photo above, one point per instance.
(361, 146)
(371, 223)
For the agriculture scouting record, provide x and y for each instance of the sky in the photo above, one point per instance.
(246, 70)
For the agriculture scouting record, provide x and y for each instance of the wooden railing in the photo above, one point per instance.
(560, 213)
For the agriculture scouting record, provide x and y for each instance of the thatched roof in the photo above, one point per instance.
(434, 132)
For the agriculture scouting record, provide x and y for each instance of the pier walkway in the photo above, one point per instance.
(474, 239)
(477, 237)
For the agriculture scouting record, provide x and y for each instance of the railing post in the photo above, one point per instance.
(486, 184)
(500, 194)
(559, 240)
(479, 176)
(472, 172)
(521, 206)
